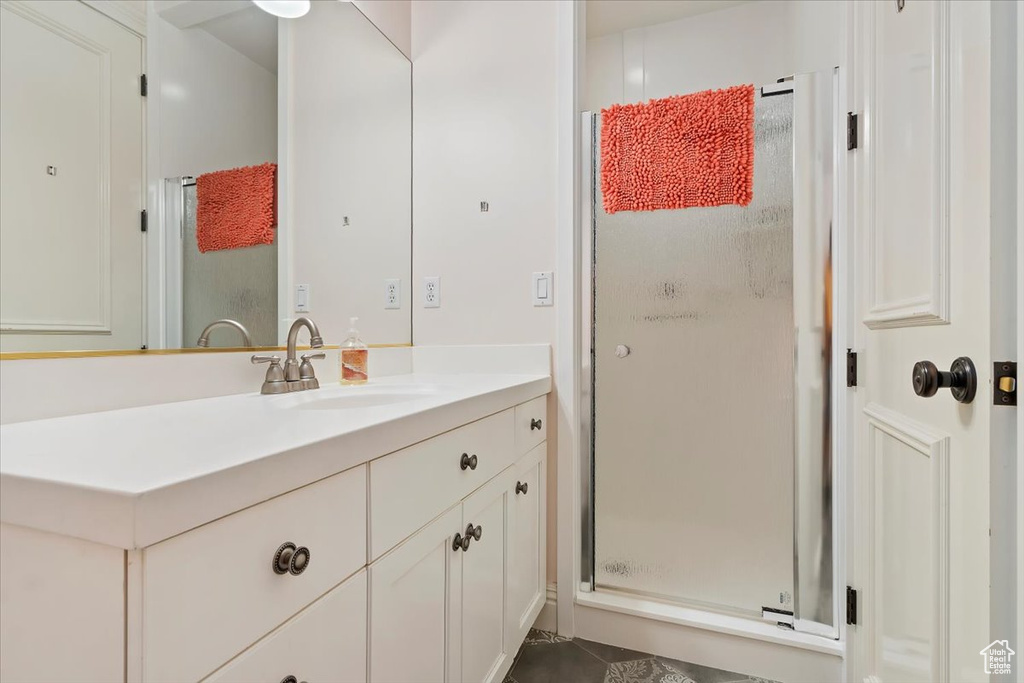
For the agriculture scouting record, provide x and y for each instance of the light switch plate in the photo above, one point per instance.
(543, 288)
(432, 291)
(302, 295)
(392, 294)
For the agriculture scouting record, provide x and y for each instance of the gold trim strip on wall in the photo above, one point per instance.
(39, 355)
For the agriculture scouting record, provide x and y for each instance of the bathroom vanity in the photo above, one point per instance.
(391, 532)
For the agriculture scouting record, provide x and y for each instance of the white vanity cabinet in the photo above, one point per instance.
(215, 590)
(325, 642)
(458, 609)
(424, 564)
(527, 573)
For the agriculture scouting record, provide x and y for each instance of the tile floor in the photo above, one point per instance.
(549, 658)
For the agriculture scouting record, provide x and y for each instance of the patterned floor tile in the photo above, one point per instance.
(537, 637)
(705, 674)
(644, 671)
(610, 654)
(557, 663)
(550, 658)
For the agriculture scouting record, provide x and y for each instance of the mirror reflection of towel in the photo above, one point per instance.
(679, 152)
(236, 208)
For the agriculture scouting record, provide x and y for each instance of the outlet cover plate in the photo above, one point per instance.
(392, 294)
(432, 291)
(302, 296)
(542, 288)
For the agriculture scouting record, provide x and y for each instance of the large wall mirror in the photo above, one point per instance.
(260, 171)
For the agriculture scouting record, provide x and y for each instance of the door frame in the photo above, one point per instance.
(1020, 323)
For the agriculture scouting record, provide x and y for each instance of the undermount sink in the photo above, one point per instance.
(358, 397)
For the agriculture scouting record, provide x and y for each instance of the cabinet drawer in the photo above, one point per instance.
(411, 487)
(212, 592)
(325, 643)
(531, 424)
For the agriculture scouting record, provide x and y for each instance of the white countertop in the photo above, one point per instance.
(133, 477)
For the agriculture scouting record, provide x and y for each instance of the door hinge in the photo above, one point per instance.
(143, 85)
(851, 606)
(851, 130)
(144, 221)
(851, 368)
(1004, 391)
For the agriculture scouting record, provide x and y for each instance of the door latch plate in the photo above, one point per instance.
(1004, 383)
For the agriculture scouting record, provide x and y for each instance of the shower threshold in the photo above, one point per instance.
(752, 627)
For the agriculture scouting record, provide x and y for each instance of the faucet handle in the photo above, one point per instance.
(274, 383)
(306, 375)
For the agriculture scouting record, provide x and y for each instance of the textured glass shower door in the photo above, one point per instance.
(240, 284)
(694, 402)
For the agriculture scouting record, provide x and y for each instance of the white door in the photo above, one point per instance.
(71, 179)
(415, 600)
(485, 521)
(920, 205)
(325, 643)
(526, 545)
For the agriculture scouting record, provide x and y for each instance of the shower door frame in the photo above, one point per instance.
(841, 289)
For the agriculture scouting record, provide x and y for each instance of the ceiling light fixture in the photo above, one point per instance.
(285, 9)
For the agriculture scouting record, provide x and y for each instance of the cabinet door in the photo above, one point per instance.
(415, 603)
(484, 653)
(325, 643)
(527, 548)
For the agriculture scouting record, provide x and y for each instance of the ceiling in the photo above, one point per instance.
(250, 31)
(239, 24)
(611, 16)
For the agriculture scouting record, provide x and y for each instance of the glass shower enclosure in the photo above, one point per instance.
(239, 284)
(711, 468)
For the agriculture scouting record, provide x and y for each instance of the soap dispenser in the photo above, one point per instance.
(354, 357)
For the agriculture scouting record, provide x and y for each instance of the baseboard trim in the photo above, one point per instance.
(547, 620)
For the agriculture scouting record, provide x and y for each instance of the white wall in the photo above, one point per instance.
(217, 108)
(393, 18)
(757, 43)
(484, 129)
(349, 155)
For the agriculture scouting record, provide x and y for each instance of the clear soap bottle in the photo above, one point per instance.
(354, 357)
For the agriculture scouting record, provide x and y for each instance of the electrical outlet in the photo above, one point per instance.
(392, 294)
(432, 292)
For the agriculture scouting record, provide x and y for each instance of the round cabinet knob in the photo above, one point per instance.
(299, 561)
(468, 461)
(961, 380)
(283, 557)
(621, 351)
(522, 487)
(476, 532)
(460, 542)
(536, 424)
(289, 679)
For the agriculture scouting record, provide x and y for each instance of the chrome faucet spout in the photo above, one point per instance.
(204, 338)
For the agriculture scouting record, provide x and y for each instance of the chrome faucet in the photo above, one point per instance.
(204, 338)
(293, 377)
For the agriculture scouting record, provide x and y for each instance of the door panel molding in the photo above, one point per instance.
(886, 424)
(927, 301)
(99, 320)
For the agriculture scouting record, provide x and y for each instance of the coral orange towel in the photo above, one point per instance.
(678, 152)
(236, 207)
